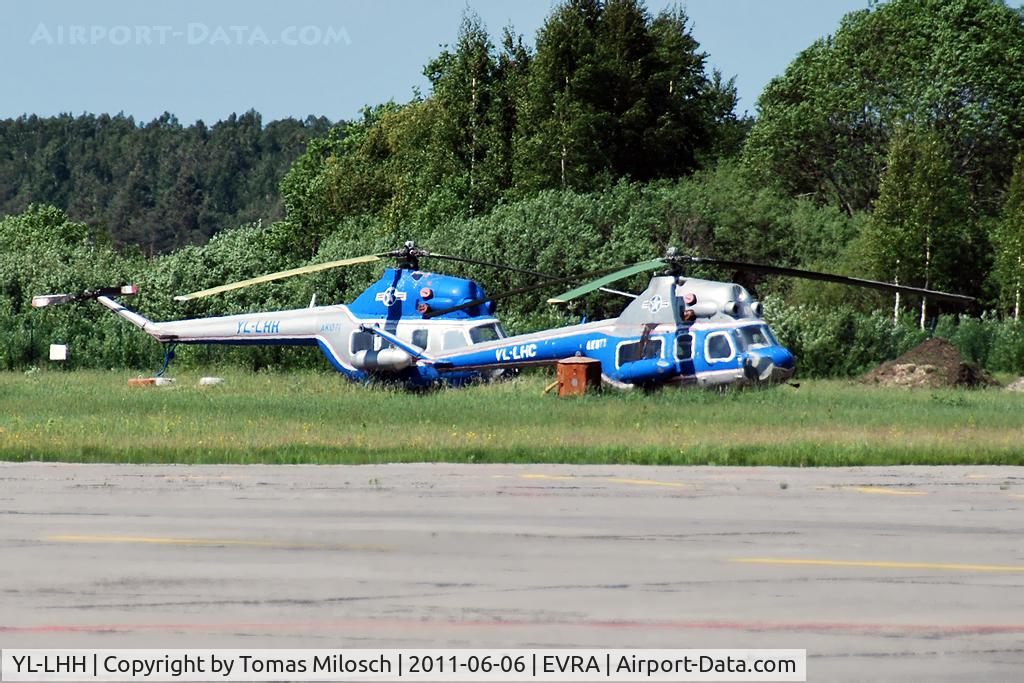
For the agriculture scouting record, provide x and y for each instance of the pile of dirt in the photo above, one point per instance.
(934, 364)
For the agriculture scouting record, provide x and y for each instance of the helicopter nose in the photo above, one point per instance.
(773, 364)
(783, 358)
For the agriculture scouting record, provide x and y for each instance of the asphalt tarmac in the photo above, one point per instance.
(880, 573)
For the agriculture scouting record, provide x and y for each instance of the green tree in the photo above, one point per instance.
(610, 93)
(158, 185)
(956, 66)
(559, 131)
(1008, 240)
(918, 232)
(512, 71)
(375, 165)
(613, 93)
(463, 90)
(45, 252)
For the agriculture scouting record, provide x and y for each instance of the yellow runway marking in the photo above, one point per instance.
(883, 565)
(610, 480)
(1016, 495)
(880, 490)
(165, 540)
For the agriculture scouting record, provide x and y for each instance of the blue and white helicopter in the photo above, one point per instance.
(383, 334)
(421, 329)
(679, 331)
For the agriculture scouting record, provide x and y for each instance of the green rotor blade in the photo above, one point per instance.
(606, 280)
(277, 276)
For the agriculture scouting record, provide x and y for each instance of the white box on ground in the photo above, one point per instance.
(58, 351)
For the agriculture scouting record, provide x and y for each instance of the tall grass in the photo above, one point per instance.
(307, 417)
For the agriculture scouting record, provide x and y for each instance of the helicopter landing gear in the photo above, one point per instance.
(168, 357)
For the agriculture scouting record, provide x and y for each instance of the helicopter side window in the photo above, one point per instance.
(485, 333)
(368, 341)
(639, 350)
(684, 347)
(453, 339)
(362, 341)
(420, 338)
(718, 347)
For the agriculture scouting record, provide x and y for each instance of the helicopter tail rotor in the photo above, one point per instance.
(45, 300)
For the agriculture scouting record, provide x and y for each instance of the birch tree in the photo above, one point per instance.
(1008, 241)
(920, 221)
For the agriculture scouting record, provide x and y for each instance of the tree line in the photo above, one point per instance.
(157, 185)
(607, 92)
(890, 149)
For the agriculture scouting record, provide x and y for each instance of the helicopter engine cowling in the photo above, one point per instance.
(386, 359)
(442, 303)
(704, 309)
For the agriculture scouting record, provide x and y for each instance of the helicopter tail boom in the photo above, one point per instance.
(280, 327)
(140, 321)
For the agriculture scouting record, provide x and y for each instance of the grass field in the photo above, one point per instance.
(320, 418)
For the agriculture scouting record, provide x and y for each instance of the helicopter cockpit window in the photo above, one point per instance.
(420, 338)
(718, 347)
(684, 347)
(453, 339)
(770, 335)
(753, 337)
(485, 333)
(639, 350)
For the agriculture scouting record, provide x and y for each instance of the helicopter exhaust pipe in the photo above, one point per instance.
(385, 359)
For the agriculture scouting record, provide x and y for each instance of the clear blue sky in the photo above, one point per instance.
(201, 59)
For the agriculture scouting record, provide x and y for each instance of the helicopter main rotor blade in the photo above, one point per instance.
(521, 290)
(524, 271)
(829, 277)
(489, 264)
(607, 280)
(277, 276)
